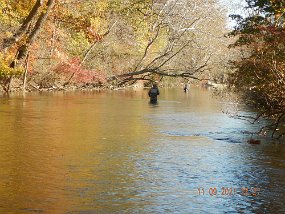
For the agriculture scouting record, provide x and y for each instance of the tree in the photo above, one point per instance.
(9, 21)
(25, 36)
(171, 43)
(127, 40)
(260, 70)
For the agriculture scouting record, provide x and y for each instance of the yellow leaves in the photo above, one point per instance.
(100, 25)
(22, 7)
(6, 70)
(8, 16)
(12, 11)
(102, 6)
(77, 44)
(278, 6)
(8, 34)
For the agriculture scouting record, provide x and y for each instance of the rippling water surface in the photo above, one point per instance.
(113, 152)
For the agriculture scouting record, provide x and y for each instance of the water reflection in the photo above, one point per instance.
(111, 152)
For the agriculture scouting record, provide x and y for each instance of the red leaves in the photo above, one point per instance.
(73, 69)
(94, 35)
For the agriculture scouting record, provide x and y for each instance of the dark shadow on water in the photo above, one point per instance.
(153, 103)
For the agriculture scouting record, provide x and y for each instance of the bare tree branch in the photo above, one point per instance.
(151, 41)
(277, 123)
(95, 42)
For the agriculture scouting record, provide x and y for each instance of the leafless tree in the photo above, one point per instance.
(194, 38)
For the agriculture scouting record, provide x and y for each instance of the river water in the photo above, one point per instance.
(113, 152)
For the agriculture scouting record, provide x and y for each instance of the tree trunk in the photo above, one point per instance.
(25, 73)
(10, 41)
(7, 83)
(23, 50)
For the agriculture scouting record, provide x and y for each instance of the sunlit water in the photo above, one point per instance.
(113, 152)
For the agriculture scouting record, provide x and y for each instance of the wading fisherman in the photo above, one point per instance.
(186, 88)
(153, 93)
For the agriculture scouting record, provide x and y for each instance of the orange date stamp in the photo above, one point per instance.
(228, 191)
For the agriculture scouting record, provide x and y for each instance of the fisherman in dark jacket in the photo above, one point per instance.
(186, 88)
(153, 93)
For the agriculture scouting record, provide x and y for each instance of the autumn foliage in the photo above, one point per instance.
(106, 41)
(73, 71)
(260, 71)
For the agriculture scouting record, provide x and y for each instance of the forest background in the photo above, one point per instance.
(110, 43)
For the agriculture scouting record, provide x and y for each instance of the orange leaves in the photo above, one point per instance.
(94, 35)
(73, 69)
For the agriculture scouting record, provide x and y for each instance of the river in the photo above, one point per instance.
(113, 152)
